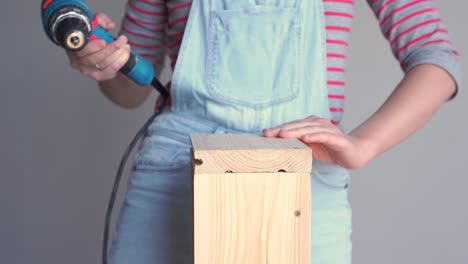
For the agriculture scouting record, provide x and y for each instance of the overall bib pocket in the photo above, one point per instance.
(253, 55)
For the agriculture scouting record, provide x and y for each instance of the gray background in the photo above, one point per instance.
(61, 142)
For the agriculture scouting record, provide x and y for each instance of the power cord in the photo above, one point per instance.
(165, 95)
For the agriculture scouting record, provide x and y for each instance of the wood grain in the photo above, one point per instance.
(252, 218)
(247, 153)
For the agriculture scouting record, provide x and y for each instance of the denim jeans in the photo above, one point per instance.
(156, 220)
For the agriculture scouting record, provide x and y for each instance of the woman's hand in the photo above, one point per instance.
(329, 144)
(98, 60)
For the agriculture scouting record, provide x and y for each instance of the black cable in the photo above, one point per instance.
(164, 94)
(160, 88)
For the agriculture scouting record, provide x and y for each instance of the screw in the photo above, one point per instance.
(75, 40)
(297, 213)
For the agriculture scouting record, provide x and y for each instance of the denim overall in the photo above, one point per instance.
(244, 65)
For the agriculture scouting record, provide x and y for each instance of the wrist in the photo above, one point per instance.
(124, 92)
(366, 149)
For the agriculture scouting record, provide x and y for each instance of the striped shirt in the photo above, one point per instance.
(413, 28)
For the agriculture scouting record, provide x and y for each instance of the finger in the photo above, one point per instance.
(111, 70)
(117, 60)
(105, 21)
(90, 48)
(333, 141)
(274, 132)
(109, 61)
(94, 58)
(300, 132)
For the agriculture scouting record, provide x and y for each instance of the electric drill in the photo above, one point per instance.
(69, 23)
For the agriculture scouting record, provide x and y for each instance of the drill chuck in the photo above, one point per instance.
(69, 27)
(75, 40)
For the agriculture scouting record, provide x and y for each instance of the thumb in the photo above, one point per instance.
(105, 21)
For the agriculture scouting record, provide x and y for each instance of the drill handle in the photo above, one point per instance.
(137, 69)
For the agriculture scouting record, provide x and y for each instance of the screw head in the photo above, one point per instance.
(297, 213)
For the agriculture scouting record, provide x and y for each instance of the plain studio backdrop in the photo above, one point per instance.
(61, 142)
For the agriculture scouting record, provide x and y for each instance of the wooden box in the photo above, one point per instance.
(251, 200)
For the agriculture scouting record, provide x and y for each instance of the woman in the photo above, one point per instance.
(274, 67)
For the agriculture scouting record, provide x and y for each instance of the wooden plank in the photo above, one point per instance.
(252, 218)
(247, 153)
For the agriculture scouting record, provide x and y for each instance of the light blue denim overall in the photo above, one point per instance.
(244, 65)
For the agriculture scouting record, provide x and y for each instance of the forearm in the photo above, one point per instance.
(124, 92)
(144, 25)
(421, 92)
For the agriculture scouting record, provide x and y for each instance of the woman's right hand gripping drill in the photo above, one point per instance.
(99, 61)
(102, 63)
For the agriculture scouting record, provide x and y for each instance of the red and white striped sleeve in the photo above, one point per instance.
(145, 25)
(416, 34)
